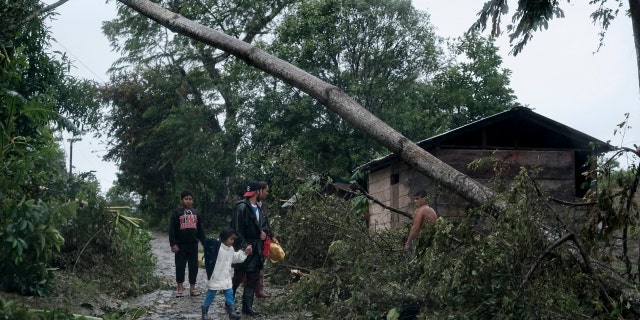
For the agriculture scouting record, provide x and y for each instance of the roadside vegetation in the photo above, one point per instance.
(523, 263)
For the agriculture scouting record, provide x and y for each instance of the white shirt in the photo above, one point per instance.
(254, 207)
(222, 273)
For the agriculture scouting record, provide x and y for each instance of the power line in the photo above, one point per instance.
(79, 60)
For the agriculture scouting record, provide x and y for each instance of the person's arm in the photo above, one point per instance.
(240, 255)
(200, 230)
(418, 219)
(172, 233)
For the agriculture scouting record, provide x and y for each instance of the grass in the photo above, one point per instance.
(77, 296)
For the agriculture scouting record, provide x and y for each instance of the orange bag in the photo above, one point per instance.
(276, 254)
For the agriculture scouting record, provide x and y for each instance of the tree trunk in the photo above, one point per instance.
(330, 96)
(634, 12)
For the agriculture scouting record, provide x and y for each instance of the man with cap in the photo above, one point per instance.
(252, 228)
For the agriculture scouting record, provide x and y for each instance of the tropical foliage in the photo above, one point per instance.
(50, 218)
(32, 164)
(532, 16)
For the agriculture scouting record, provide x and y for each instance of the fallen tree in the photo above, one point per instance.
(329, 95)
(345, 106)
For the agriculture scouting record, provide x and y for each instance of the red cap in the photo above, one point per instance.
(252, 188)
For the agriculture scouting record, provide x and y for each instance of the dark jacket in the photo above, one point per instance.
(249, 228)
(211, 247)
(185, 228)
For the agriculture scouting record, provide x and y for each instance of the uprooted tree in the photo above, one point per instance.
(340, 103)
(330, 96)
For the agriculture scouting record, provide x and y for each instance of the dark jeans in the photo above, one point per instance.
(187, 254)
(252, 278)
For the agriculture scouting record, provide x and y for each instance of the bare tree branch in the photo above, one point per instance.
(44, 9)
(586, 267)
(376, 201)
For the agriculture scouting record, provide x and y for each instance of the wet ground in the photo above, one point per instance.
(163, 304)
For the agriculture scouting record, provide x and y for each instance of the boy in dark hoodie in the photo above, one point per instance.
(185, 231)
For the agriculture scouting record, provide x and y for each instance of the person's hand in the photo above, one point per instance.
(175, 248)
(406, 247)
(248, 250)
(263, 236)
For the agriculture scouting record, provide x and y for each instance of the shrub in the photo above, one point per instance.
(457, 272)
(101, 242)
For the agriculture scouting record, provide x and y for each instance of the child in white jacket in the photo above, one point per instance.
(218, 257)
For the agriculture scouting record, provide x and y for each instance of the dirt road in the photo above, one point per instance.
(163, 304)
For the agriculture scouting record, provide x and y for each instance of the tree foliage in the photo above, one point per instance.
(191, 132)
(532, 16)
(380, 52)
(37, 196)
(472, 87)
(32, 164)
(140, 105)
(535, 15)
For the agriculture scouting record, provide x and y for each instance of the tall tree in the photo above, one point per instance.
(198, 82)
(384, 54)
(472, 87)
(379, 51)
(140, 103)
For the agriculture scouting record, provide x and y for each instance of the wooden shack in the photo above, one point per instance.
(515, 138)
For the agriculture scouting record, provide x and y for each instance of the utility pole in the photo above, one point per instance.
(71, 141)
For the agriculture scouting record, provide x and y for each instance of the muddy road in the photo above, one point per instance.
(163, 304)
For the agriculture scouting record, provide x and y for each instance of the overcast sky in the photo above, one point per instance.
(558, 74)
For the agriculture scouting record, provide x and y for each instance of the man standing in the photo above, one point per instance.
(185, 230)
(252, 228)
(262, 203)
(423, 215)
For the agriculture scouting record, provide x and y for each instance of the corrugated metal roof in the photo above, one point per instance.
(534, 129)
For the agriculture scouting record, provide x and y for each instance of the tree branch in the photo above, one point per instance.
(545, 253)
(634, 13)
(376, 201)
(45, 9)
(586, 267)
(572, 204)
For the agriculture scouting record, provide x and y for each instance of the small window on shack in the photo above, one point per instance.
(395, 179)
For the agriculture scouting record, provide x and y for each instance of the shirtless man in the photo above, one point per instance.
(423, 215)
